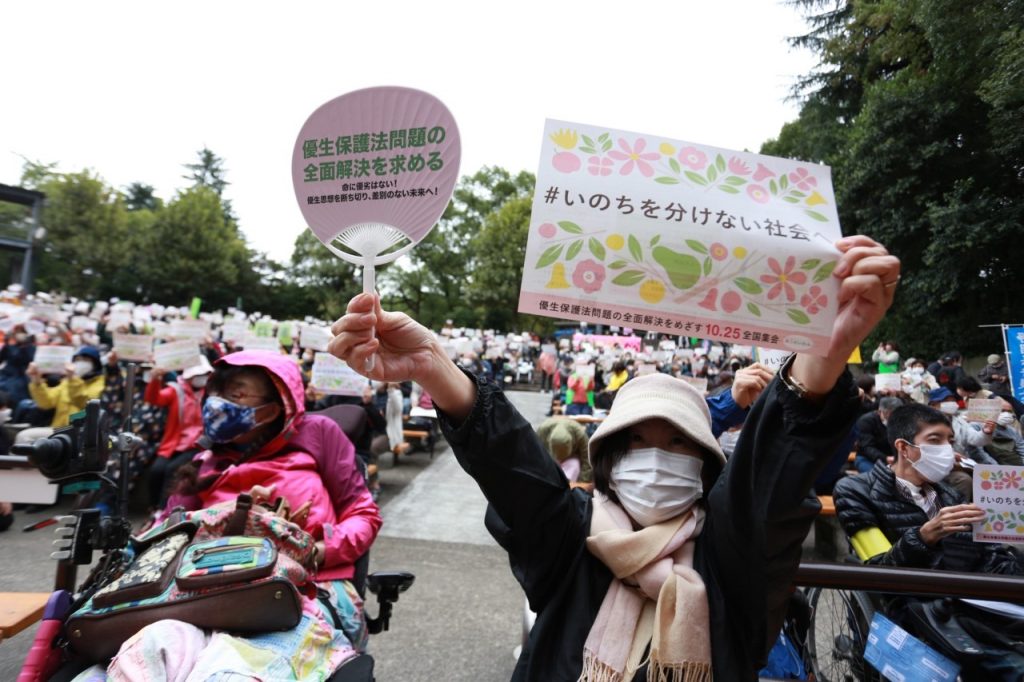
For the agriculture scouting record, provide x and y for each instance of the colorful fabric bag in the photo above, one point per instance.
(235, 567)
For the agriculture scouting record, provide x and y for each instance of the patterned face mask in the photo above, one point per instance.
(223, 420)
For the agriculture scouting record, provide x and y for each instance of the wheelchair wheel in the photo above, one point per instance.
(837, 636)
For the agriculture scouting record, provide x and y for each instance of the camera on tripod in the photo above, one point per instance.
(78, 449)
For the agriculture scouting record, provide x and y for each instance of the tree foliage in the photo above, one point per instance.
(434, 284)
(917, 106)
(132, 244)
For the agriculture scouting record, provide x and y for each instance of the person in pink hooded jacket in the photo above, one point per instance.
(261, 442)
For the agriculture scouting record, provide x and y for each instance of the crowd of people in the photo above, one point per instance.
(648, 484)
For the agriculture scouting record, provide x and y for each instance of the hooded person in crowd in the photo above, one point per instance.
(263, 443)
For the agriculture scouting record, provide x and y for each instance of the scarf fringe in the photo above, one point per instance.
(596, 671)
(690, 671)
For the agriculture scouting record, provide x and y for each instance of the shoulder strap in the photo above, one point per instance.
(180, 392)
(236, 523)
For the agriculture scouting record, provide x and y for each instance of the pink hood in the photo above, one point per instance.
(287, 379)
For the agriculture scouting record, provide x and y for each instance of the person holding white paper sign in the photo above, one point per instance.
(83, 381)
(716, 568)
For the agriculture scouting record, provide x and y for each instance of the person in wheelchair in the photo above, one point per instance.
(261, 442)
(651, 578)
(904, 515)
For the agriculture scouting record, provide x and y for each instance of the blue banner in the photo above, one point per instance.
(1015, 359)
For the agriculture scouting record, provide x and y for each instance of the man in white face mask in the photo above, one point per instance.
(906, 516)
(922, 517)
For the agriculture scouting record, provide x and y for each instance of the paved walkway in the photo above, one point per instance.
(443, 503)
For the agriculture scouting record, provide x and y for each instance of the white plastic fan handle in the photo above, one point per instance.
(369, 283)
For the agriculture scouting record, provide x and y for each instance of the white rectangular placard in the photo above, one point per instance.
(234, 330)
(176, 355)
(664, 235)
(53, 359)
(334, 377)
(314, 337)
(196, 330)
(134, 347)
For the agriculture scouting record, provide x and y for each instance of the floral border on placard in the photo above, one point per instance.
(688, 166)
(717, 277)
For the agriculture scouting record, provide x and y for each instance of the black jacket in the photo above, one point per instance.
(874, 500)
(872, 440)
(759, 512)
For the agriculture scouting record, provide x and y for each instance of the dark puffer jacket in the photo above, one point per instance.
(873, 500)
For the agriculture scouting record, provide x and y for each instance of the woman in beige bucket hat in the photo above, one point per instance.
(650, 578)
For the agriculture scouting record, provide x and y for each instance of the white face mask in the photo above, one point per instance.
(918, 371)
(5, 415)
(1005, 419)
(936, 461)
(199, 381)
(949, 408)
(83, 367)
(655, 485)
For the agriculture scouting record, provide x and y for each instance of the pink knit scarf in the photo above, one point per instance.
(654, 572)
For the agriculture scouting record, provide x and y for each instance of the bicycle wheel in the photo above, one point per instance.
(837, 636)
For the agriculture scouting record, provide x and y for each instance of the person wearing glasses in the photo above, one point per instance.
(260, 441)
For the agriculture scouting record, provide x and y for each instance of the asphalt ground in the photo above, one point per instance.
(461, 620)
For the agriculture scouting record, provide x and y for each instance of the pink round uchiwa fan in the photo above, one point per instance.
(373, 171)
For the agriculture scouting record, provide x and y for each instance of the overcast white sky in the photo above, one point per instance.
(132, 90)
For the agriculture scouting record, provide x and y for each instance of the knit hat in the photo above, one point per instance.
(937, 395)
(560, 442)
(665, 397)
(994, 359)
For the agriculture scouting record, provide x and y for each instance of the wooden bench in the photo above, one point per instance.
(423, 436)
(19, 610)
(828, 505)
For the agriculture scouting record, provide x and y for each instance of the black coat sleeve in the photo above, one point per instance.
(532, 512)
(759, 512)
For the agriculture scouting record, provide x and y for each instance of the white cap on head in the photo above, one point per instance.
(195, 370)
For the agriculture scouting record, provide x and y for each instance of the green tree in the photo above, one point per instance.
(86, 240)
(328, 282)
(192, 250)
(139, 196)
(500, 249)
(432, 283)
(209, 171)
(917, 106)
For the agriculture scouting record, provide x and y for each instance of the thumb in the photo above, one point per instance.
(385, 320)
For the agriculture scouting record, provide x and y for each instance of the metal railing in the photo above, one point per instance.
(913, 581)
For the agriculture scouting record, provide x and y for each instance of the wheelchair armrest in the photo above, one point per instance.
(387, 585)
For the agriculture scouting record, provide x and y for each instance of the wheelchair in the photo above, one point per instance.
(840, 620)
(49, 660)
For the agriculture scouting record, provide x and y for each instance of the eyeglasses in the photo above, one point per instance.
(239, 395)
